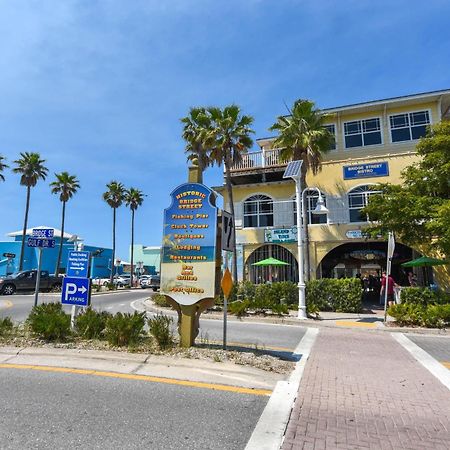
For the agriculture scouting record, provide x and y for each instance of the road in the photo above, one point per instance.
(48, 410)
(280, 338)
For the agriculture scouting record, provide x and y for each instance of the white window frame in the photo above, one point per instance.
(366, 194)
(257, 214)
(430, 116)
(380, 119)
(334, 134)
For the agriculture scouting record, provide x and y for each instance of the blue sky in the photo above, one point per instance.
(98, 87)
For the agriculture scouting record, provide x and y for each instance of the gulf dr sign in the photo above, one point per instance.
(75, 291)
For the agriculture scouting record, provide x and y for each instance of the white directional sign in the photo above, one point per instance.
(227, 232)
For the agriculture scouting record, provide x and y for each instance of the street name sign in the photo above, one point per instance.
(9, 255)
(41, 242)
(44, 233)
(78, 264)
(75, 291)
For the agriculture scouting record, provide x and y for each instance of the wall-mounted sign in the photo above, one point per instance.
(354, 234)
(188, 261)
(377, 169)
(367, 255)
(280, 235)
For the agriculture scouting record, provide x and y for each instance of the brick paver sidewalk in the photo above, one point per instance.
(362, 389)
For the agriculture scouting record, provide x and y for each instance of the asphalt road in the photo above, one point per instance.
(437, 346)
(280, 338)
(44, 410)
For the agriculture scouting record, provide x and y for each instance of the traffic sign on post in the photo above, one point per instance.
(227, 232)
(41, 242)
(75, 291)
(78, 264)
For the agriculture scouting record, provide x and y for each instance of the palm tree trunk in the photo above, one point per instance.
(233, 231)
(306, 216)
(24, 232)
(132, 248)
(113, 257)
(58, 261)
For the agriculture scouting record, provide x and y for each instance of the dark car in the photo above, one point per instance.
(26, 280)
(150, 281)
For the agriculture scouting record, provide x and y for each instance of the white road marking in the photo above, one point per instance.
(269, 431)
(431, 364)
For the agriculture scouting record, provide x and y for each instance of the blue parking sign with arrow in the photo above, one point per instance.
(75, 291)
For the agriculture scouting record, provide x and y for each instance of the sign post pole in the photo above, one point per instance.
(38, 278)
(227, 285)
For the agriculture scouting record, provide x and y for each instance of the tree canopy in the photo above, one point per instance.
(418, 210)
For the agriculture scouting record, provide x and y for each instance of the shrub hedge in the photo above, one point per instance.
(414, 314)
(160, 327)
(423, 296)
(91, 324)
(124, 329)
(48, 321)
(160, 300)
(6, 326)
(330, 294)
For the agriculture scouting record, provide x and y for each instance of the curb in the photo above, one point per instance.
(271, 427)
(309, 323)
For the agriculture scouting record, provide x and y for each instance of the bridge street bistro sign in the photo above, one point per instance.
(280, 235)
(188, 260)
(376, 169)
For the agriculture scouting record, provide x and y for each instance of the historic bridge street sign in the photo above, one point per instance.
(188, 262)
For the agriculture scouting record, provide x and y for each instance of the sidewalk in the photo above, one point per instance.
(360, 392)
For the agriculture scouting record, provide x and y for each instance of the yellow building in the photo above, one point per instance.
(374, 142)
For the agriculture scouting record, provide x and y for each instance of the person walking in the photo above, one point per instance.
(389, 284)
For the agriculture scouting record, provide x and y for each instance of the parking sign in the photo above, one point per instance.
(75, 291)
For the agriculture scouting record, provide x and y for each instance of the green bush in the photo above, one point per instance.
(160, 300)
(246, 291)
(160, 327)
(330, 294)
(91, 324)
(48, 321)
(280, 309)
(124, 329)
(410, 314)
(6, 326)
(423, 296)
(239, 307)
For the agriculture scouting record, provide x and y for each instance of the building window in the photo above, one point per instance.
(360, 133)
(358, 198)
(258, 211)
(409, 126)
(312, 196)
(332, 129)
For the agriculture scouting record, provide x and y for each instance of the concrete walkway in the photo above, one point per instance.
(365, 391)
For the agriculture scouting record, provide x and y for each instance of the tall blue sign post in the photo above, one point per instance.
(76, 287)
(40, 238)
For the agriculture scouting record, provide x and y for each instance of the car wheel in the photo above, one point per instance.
(105, 283)
(155, 289)
(8, 289)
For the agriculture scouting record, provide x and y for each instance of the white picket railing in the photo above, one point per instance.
(256, 160)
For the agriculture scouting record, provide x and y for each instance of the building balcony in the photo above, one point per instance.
(256, 161)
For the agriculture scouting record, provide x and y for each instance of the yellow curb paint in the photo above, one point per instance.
(446, 364)
(98, 373)
(348, 323)
(8, 304)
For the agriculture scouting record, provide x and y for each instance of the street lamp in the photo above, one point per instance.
(293, 170)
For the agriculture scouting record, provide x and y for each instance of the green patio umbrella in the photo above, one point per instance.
(270, 262)
(424, 261)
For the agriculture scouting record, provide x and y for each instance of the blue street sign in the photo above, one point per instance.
(75, 291)
(45, 233)
(78, 264)
(39, 242)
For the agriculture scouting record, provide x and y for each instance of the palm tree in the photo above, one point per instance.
(66, 186)
(31, 168)
(133, 199)
(195, 132)
(302, 136)
(114, 197)
(3, 166)
(230, 134)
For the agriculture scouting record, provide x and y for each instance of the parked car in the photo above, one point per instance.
(150, 281)
(121, 281)
(26, 280)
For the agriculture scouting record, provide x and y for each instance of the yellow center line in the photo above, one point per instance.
(125, 376)
(349, 323)
(446, 364)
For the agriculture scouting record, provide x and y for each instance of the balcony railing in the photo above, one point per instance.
(259, 160)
